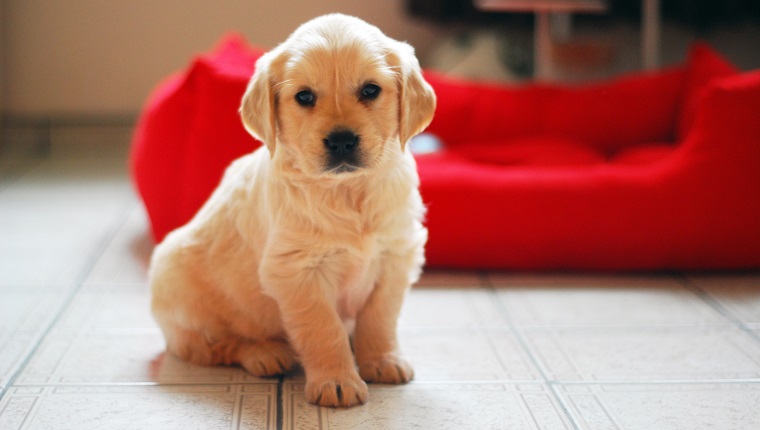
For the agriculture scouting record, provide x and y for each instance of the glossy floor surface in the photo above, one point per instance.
(79, 349)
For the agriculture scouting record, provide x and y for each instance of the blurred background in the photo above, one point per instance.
(79, 61)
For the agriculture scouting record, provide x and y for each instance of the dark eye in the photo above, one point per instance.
(306, 98)
(369, 92)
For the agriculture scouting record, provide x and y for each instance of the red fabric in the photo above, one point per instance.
(538, 151)
(643, 154)
(647, 171)
(607, 116)
(189, 132)
(703, 65)
(696, 208)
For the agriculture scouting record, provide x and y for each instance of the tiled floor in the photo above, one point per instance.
(79, 349)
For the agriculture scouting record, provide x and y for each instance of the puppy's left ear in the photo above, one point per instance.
(257, 109)
(416, 96)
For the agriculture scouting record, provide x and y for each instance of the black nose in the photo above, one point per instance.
(341, 142)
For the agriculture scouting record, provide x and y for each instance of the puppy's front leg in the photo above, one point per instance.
(316, 332)
(375, 342)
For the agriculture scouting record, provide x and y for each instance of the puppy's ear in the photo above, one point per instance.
(416, 96)
(257, 109)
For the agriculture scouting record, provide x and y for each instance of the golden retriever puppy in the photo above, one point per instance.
(315, 237)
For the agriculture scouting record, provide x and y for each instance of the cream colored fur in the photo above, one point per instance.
(287, 260)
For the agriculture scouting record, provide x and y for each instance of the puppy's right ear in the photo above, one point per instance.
(257, 110)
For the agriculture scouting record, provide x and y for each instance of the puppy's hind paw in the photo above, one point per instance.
(266, 359)
(387, 370)
(337, 392)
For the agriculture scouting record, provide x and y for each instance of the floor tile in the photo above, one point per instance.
(737, 294)
(199, 407)
(450, 307)
(592, 300)
(55, 268)
(645, 354)
(15, 347)
(466, 355)
(463, 355)
(29, 308)
(108, 308)
(432, 406)
(118, 357)
(664, 406)
(107, 335)
(54, 217)
(25, 313)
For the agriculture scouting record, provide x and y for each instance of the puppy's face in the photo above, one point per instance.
(337, 109)
(338, 97)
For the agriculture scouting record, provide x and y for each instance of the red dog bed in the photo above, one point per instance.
(648, 171)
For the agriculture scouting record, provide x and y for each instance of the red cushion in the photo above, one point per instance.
(538, 151)
(697, 207)
(613, 115)
(644, 154)
(471, 112)
(608, 115)
(703, 65)
(189, 132)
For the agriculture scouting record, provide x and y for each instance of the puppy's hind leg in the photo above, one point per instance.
(261, 358)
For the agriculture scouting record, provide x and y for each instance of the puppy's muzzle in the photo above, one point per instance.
(343, 151)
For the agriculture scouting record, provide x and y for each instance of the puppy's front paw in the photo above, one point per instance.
(337, 392)
(387, 370)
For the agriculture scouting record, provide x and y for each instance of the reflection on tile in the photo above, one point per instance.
(646, 354)
(738, 294)
(128, 254)
(466, 355)
(599, 301)
(432, 406)
(664, 406)
(141, 407)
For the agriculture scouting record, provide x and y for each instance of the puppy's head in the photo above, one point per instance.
(338, 96)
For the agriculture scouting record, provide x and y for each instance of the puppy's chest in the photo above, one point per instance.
(359, 272)
(355, 236)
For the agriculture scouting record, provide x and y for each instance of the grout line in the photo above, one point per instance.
(78, 284)
(280, 403)
(488, 285)
(281, 383)
(717, 306)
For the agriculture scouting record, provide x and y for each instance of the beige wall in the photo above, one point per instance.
(102, 57)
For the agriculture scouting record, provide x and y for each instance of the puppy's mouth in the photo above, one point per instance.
(343, 168)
